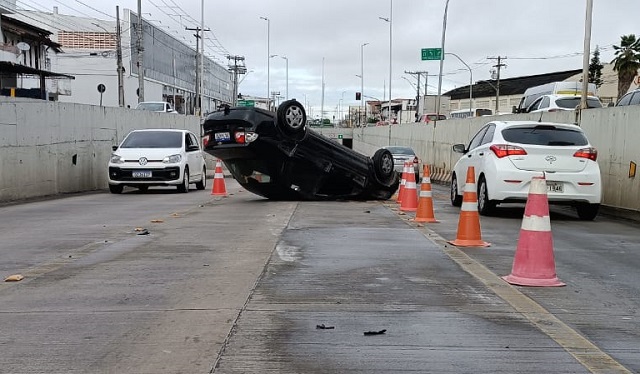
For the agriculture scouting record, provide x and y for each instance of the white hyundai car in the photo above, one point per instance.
(507, 154)
(157, 157)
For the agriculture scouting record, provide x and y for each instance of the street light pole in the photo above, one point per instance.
(586, 54)
(444, 32)
(390, 21)
(268, 60)
(470, 81)
(362, 83)
(287, 75)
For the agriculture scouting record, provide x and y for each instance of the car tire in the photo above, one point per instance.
(184, 187)
(485, 205)
(291, 119)
(116, 188)
(383, 165)
(456, 200)
(587, 212)
(203, 182)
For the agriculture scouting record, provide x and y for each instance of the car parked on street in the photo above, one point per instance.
(402, 154)
(507, 154)
(557, 103)
(157, 157)
(277, 156)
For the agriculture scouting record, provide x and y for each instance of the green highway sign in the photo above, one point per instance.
(431, 54)
(340, 136)
(246, 103)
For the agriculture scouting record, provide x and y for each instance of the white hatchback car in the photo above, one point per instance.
(157, 157)
(507, 154)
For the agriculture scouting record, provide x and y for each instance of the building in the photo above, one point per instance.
(25, 52)
(169, 64)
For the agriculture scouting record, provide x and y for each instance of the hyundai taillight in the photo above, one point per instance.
(416, 160)
(205, 140)
(243, 137)
(590, 153)
(503, 150)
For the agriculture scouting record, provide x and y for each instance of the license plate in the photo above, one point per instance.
(556, 187)
(142, 174)
(222, 137)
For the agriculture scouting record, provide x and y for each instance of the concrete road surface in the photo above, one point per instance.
(241, 284)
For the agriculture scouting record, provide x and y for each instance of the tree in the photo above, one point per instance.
(595, 69)
(626, 62)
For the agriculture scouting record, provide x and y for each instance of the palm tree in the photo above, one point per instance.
(626, 62)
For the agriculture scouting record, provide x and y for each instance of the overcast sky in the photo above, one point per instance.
(536, 37)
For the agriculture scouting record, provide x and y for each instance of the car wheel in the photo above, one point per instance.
(485, 206)
(291, 119)
(456, 199)
(587, 212)
(203, 182)
(116, 188)
(184, 187)
(143, 188)
(383, 165)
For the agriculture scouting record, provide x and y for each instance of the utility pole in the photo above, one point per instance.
(236, 69)
(426, 76)
(198, 84)
(498, 66)
(140, 54)
(119, 59)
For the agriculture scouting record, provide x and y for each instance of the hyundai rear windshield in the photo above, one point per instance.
(153, 139)
(544, 135)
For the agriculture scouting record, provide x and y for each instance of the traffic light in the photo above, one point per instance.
(358, 95)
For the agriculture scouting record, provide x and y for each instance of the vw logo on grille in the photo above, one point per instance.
(551, 159)
(142, 161)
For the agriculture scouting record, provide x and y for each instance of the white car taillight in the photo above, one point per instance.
(503, 150)
(590, 153)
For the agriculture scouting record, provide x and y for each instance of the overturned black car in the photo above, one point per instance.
(277, 156)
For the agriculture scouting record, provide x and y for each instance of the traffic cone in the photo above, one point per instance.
(219, 188)
(469, 223)
(403, 181)
(410, 194)
(425, 201)
(534, 263)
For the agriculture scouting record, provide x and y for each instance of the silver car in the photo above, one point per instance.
(402, 154)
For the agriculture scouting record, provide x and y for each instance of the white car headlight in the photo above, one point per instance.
(173, 159)
(116, 159)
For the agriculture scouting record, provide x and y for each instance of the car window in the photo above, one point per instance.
(477, 139)
(626, 99)
(535, 105)
(153, 139)
(154, 107)
(544, 135)
(194, 141)
(187, 141)
(401, 150)
(635, 100)
(488, 136)
(545, 102)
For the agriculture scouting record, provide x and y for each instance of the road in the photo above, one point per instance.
(238, 285)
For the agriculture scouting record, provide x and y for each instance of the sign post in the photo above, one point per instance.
(101, 89)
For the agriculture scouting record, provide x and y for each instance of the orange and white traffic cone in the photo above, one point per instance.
(425, 201)
(219, 188)
(534, 263)
(469, 223)
(403, 181)
(410, 194)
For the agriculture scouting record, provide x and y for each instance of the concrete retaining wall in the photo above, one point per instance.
(49, 148)
(615, 132)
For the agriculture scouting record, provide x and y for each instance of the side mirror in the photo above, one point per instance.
(459, 148)
(514, 109)
(114, 147)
